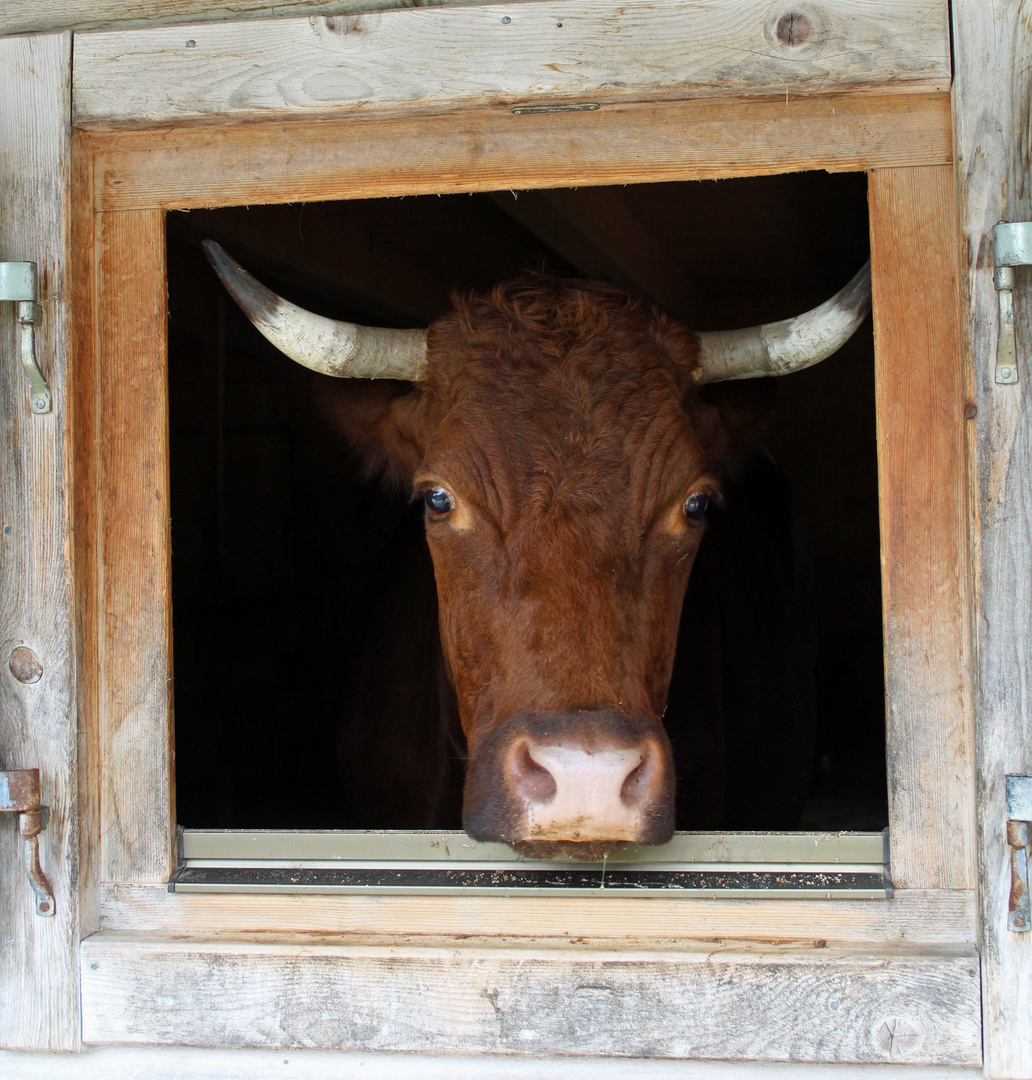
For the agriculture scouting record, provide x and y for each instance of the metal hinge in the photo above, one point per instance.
(1019, 828)
(20, 792)
(1012, 246)
(18, 283)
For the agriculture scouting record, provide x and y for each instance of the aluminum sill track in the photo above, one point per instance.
(850, 866)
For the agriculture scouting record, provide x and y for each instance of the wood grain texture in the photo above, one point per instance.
(38, 956)
(920, 397)
(491, 150)
(441, 58)
(705, 1002)
(993, 106)
(36, 16)
(137, 831)
(913, 917)
(161, 1062)
(86, 538)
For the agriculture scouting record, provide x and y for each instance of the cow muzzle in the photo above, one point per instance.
(577, 784)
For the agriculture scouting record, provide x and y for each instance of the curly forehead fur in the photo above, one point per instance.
(545, 324)
(535, 362)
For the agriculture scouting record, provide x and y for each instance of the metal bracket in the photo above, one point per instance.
(1019, 838)
(20, 792)
(18, 283)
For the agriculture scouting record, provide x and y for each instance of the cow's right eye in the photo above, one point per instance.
(438, 501)
(695, 506)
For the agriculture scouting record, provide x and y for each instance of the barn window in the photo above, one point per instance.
(286, 559)
(633, 975)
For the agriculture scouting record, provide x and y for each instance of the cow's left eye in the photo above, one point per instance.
(439, 501)
(695, 506)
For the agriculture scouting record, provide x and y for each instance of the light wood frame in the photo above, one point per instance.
(901, 975)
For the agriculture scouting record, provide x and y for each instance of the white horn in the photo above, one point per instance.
(790, 345)
(337, 348)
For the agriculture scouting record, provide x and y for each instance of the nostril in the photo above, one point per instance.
(631, 791)
(638, 784)
(533, 781)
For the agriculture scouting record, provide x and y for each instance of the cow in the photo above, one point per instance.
(554, 434)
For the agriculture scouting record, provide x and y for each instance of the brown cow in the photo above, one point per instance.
(554, 432)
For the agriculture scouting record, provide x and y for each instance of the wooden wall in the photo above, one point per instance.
(39, 985)
(993, 111)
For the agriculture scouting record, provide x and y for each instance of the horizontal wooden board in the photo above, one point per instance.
(441, 58)
(132, 1062)
(491, 149)
(34, 16)
(705, 1002)
(912, 917)
(160, 1062)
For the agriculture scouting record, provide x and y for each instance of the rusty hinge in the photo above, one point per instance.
(20, 793)
(1019, 835)
(18, 283)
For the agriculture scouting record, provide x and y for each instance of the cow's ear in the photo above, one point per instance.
(385, 422)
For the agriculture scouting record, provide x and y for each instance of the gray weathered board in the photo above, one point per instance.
(35, 16)
(503, 53)
(993, 118)
(38, 956)
(198, 1063)
(701, 1001)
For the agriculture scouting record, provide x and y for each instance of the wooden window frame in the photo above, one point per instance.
(819, 980)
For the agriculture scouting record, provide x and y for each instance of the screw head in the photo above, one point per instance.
(1005, 373)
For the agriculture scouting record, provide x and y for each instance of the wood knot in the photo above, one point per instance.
(339, 25)
(25, 665)
(896, 1037)
(793, 28)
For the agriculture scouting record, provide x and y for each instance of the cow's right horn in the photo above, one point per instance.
(779, 348)
(342, 349)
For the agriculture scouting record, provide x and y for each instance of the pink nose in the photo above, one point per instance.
(575, 792)
(571, 783)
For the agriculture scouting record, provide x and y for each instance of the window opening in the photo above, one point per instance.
(281, 547)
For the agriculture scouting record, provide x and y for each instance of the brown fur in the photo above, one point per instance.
(564, 419)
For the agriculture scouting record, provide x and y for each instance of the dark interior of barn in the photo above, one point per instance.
(280, 547)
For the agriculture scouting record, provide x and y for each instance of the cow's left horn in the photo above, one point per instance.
(343, 349)
(791, 345)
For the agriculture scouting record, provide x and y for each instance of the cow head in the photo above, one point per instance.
(554, 431)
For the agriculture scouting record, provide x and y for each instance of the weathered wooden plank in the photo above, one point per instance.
(86, 538)
(490, 150)
(911, 917)
(993, 102)
(442, 58)
(38, 956)
(919, 388)
(37, 16)
(137, 830)
(133, 1062)
(706, 1002)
